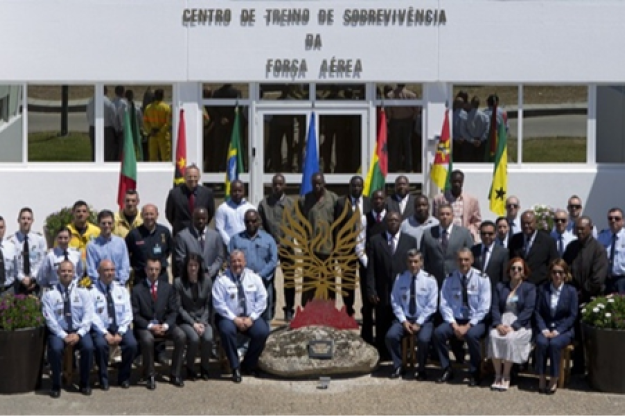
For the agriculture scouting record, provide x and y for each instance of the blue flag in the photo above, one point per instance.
(311, 162)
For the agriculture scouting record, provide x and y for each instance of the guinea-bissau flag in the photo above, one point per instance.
(128, 174)
(181, 151)
(376, 177)
(499, 186)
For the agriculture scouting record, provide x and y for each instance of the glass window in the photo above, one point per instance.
(219, 122)
(472, 114)
(554, 123)
(225, 91)
(346, 92)
(394, 91)
(11, 123)
(284, 91)
(59, 130)
(340, 146)
(284, 138)
(610, 124)
(404, 138)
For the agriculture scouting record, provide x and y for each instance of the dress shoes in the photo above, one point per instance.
(176, 381)
(236, 376)
(250, 372)
(447, 376)
(104, 385)
(397, 373)
(125, 384)
(204, 375)
(191, 374)
(151, 383)
(420, 376)
(85, 390)
(475, 380)
(55, 393)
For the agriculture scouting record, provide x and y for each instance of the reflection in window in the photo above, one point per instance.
(394, 91)
(217, 127)
(554, 123)
(340, 91)
(284, 92)
(10, 123)
(404, 138)
(225, 91)
(284, 139)
(340, 143)
(58, 127)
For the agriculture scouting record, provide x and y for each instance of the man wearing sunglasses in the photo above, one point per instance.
(613, 240)
(489, 258)
(513, 205)
(575, 207)
(560, 233)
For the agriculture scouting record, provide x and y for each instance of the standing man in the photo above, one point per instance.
(513, 205)
(414, 300)
(401, 202)
(157, 122)
(318, 208)
(128, 218)
(462, 150)
(465, 302)
(68, 311)
(61, 252)
(357, 205)
(490, 259)
(477, 130)
(535, 247)
(8, 261)
(261, 254)
(466, 209)
(386, 256)
(373, 223)
(229, 217)
(401, 122)
(575, 209)
(421, 220)
(149, 240)
(239, 299)
(503, 232)
(440, 245)
(182, 200)
(198, 238)
(155, 310)
(82, 232)
(613, 240)
(272, 214)
(111, 325)
(559, 234)
(31, 250)
(110, 125)
(108, 246)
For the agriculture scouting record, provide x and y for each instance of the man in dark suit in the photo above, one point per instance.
(535, 247)
(386, 256)
(401, 202)
(488, 257)
(355, 204)
(502, 237)
(182, 200)
(198, 238)
(440, 245)
(155, 310)
(373, 223)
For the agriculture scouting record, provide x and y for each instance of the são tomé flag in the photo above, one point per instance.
(499, 186)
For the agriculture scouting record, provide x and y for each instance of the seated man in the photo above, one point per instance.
(113, 315)
(69, 313)
(465, 301)
(239, 300)
(414, 299)
(155, 310)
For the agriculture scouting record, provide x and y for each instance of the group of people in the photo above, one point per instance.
(437, 271)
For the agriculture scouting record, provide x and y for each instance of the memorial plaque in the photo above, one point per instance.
(321, 349)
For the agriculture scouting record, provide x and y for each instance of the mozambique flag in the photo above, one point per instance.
(498, 188)
(442, 166)
(181, 151)
(128, 174)
(234, 163)
(376, 177)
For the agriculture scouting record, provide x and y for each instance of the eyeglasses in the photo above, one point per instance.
(575, 206)
(509, 206)
(614, 218)
(557, 271)
(516, 268)
(560, 220)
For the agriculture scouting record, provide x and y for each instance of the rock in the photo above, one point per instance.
(286, 353)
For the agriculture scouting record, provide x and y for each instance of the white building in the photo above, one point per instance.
(556, 65)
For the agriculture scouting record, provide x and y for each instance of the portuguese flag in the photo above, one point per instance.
(128, 174)
(376, 177)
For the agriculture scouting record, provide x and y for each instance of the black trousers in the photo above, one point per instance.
(146, 341)
(366, 331)
(289, 291)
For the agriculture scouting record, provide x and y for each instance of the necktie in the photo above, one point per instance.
(26, 256)
(241, 296)
(111, 310)
(444, 241)
(201, 239)
(511, 230)
(378, 218)
(66, 255)
(528, 246)
(2, 270)
(67, 311)
(560, 246)
(154, 292)
(412, 306)
(191, 202)
(391, 244)
(465, 294)
(484, 253)
(612, 249)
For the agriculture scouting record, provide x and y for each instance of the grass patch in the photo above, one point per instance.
(49, 147)
(552, 149)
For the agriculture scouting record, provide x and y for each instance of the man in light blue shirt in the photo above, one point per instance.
(111, 321)
(261, 255)
(560, 234)
(8, 261)
(613, 239)
(62, 252)
(229, 216)
(239, 300)
(108, 246)
(465, 302)
(68, 311)
(414, 300)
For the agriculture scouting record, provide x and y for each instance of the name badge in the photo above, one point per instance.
(157, 250)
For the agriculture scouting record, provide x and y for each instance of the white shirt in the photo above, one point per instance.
(357, 202)
(10, 261)
(229, 219)
(487, 254)
(529, 242)
(37, 248)
(449, 229)
(567, 237)
(123, 308)
(402, 203)
(395, 239)
(226, 295)
(48, 275)
(362, 236)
